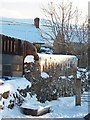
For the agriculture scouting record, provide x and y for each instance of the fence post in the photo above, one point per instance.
(78, 92)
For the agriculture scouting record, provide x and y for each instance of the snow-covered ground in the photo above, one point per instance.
(63, 107)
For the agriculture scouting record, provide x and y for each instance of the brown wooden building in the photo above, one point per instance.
(17, 40)
(12, 54)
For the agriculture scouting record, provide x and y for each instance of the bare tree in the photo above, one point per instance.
(62, 26)
(81, 32)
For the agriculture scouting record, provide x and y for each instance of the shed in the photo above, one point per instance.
(11, 57)
(12, 54)
(16, 41)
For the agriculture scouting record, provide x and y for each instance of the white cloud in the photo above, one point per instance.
(89, 9)
(14, 0)
(20, 9)
(11, 13)
(31, 8)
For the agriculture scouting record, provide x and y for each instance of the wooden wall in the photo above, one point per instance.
(11, 56)
(11, 45)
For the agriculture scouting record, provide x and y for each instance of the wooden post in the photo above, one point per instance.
(78, 92)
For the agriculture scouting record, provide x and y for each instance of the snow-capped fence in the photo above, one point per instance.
(52, 76)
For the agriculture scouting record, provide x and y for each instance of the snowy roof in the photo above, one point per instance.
(21, 30)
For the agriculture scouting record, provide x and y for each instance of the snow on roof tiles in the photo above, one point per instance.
(21, 30)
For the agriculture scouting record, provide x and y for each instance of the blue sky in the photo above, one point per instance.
(32, 8)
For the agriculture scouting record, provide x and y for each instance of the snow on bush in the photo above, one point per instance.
(44, 75)
(1, 82)
(64, 60)
(52, 76)
(4, 88)
(29, 59)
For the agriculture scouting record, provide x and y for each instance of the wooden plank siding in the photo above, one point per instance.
(11, 56)
(11, 46)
